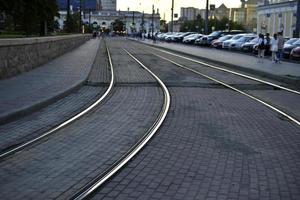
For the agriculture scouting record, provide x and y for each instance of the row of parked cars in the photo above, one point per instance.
(234, 40)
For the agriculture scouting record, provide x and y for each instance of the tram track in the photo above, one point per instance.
(98, 181)
(282, 112)
(81, 113)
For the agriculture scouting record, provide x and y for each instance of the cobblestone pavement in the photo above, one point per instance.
(284, 100)
(37, 123)
(214, 144)
(56, 167)
(56, 77)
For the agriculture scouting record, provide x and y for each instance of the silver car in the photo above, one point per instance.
(237, 44)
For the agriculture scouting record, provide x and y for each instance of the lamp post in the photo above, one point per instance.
(68, 16)
(206, 17)
(296, 35)
(172, 15)
(152, 21)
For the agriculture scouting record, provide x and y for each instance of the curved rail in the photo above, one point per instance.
(230, 71)
(102, 178)
(69, 121)
(234, 89)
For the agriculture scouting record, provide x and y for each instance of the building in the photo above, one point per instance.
(245, 15)
(189, 13)
(106, 5)
(132, 20)
(277, 15)
(221, 12)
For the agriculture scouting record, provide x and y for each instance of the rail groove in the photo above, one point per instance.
(102, 178)
(229, 71)
(234, 89)
(69, 121)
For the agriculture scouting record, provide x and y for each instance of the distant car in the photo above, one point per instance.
(237, 44)
(217, 34)
(218, 42)
(169, 37)
(179, 37)
(227, 43)
(248, 46)
(287, 50)
(290, 42)
(191, 38)
(295, 53)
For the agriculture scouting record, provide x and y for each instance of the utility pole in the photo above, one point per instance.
(90, 16)
(143, 21)
(152, 21)
(172, 19)
(296, 35)
(80, 16)
(68, 16)
(206, 17)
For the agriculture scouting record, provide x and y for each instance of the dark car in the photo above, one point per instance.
(180, 37)
(207, 40)
(287, 50)
(248, 46)
(218, 42)
(295, 53)
(190, 39)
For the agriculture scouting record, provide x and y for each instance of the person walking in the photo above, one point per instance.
(280, 46)
(261, 48)
(268, 44)
(274, 48)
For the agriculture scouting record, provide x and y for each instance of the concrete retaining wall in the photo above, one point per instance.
(24, 54)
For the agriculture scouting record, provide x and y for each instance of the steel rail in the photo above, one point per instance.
(102, 178)
(234, 89)
(72, 119)
(230, 71)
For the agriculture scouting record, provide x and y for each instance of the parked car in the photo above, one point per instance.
(218, 42)
(227, 43)
(295, 53)
(248, 46)
(169, 38)
(237, 44)
(217, 34)
(190, 39)
(179, 37)
(290, 42)
(287, 50)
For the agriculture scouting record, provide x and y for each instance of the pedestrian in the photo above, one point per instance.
(274, 48)
(268, 44)
(280, 46)
(261, 48)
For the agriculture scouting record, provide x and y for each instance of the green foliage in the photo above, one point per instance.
(198, 25)
(118, 25)
(29, 16)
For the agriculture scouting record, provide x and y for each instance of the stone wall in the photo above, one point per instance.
(24, 54)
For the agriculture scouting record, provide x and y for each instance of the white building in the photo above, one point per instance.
(277, 15)
(107, 5)
(189, 13)
(131, 19)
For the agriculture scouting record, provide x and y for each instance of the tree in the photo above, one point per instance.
(118, 25)
(30, 16)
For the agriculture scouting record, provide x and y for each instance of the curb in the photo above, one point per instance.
(288, 80)
(9, 117)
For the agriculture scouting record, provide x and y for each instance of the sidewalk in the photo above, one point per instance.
(30, 91)
(285, 70)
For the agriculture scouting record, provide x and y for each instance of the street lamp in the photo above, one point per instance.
(172, 13)
(206, 17)
(297, 20)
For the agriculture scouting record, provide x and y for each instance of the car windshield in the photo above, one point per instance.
(255, 40)
(237, 37)
(192, 36)
(213, 34)
(298, 42)
(226, 37)
(291, 41)
(242, 39)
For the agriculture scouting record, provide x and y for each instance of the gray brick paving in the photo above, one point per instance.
(245, 61)
(47, 81)
(215, 144)
(37, 123)
(60, 165)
